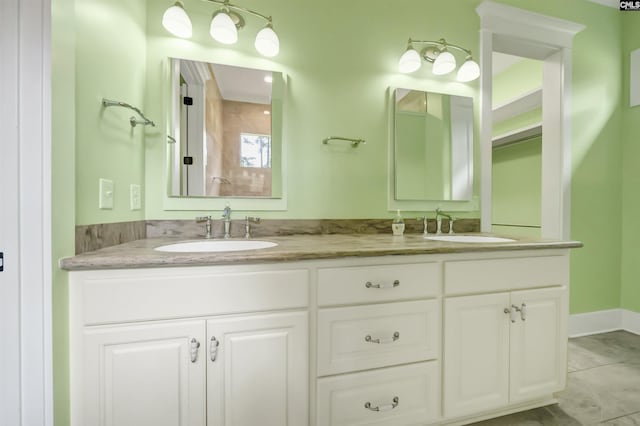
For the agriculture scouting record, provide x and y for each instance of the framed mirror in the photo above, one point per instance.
(226, 133)
(433, 146)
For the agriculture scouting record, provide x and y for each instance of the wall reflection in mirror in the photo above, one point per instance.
(227, 126)
(433, 146)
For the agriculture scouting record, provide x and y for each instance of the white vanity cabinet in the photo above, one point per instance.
(504, 347)
(431, 339)
(214, 346)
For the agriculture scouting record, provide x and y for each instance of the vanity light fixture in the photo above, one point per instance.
(438, 53)
(224, 27)
(176, 21)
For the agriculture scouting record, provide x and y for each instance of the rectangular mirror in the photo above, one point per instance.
(226, 130)
(433, 146)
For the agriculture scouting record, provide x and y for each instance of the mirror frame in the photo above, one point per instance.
(426, 205)
(196, 203)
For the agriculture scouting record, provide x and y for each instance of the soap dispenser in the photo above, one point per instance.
(397, 226)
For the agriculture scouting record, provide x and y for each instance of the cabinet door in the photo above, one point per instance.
(257, 370)
(476, 351)
(144, 375)
(539, 343)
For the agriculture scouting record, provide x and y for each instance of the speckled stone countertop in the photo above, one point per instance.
(141, 253)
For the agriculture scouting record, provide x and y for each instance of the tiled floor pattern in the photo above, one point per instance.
(603, 386)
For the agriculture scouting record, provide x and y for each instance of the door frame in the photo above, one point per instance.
(528, 34)
(26, 390)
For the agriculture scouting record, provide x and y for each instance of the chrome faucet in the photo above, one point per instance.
(226, 218)
(248, 220)
(439, 215)
(207, 226)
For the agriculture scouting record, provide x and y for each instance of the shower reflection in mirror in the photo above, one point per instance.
(227, 123)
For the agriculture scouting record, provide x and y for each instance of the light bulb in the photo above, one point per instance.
(176, 21)
(469, 71)
(445, 63)
(267, 42)
(223, 29)
(409, 61)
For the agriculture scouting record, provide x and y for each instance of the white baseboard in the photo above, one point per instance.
(604, 321)
(631, 321)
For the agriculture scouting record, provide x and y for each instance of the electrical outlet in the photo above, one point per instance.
(106, 194)
(135, 197)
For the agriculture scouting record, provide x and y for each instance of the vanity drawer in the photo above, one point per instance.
(363, 337)
(514, 273)
(368, 284)
(404, 395)
(154, 294)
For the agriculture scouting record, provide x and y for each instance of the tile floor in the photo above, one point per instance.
(603, 386)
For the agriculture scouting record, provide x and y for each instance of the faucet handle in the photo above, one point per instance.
(249, 219)
(200, 219)
(424, 223)
(451, 222)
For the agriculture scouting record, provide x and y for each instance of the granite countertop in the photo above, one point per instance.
(141, 253)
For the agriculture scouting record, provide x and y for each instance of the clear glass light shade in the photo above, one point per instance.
(177, 22)
(223, 29)
(267, 42)
(409, 61)
(469, 71)
(444, 63)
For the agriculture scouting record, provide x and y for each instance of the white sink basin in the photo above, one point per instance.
(470, 239)
(215, 246)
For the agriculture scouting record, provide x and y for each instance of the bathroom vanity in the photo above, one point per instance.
(320, 330)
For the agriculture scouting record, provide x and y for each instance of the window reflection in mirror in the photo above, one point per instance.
(227, 126)
(433, 146)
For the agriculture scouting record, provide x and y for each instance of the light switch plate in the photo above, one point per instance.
(106, 194)
(135, 197)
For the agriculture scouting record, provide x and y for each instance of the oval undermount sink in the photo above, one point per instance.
(470, 239)
(215, 246)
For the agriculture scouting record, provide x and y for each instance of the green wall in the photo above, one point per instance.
(517, 168)
(630, 295)
(110, 63)
(522, 77)
(63, 196)
(516, 187)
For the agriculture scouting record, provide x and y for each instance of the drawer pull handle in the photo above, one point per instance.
(195, 345)
(396, 283)
(394, 404)
(395, 337)
(213, 349)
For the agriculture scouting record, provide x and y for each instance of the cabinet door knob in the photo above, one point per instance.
(195, 345)
(394, 404)
(213, 349)
(523, 312)
(511, 312)
(369, 284)
(379, 340)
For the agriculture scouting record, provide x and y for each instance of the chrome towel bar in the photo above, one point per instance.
(354, 142)
(132, 120)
